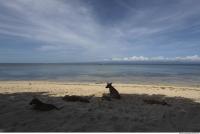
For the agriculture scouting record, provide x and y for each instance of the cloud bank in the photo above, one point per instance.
(194, 58)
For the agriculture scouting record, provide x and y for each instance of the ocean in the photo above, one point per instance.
(169, 74)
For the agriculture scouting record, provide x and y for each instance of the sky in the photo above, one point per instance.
(54, 31)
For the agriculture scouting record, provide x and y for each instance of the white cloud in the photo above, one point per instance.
(194, 58)
(188, 58)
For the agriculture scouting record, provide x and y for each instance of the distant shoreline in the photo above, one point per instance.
(111, 63)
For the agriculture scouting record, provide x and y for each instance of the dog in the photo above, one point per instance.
(41, 106)
(113, 92)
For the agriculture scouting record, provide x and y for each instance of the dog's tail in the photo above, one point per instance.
(59, 108)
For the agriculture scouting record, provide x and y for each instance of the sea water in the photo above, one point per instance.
(98, 73)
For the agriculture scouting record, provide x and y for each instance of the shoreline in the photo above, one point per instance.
(104, 82)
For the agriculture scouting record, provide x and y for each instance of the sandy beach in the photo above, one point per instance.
(130, 114)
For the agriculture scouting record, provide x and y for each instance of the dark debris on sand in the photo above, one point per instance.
(75, 98)
(158, 102)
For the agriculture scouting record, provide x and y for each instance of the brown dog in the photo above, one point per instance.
(113, 92)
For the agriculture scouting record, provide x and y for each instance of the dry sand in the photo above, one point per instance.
(130, 114)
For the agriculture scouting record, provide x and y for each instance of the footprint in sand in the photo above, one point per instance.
(92, 118)
(99, 117)
(114, 118)
(171, 88)
(162, 87)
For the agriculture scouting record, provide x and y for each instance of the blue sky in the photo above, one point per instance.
(98, 30)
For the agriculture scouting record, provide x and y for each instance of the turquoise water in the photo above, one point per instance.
(146, 74)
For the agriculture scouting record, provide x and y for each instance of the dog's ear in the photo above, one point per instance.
(109, 83)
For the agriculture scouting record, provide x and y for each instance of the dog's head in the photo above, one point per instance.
(109, 85)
